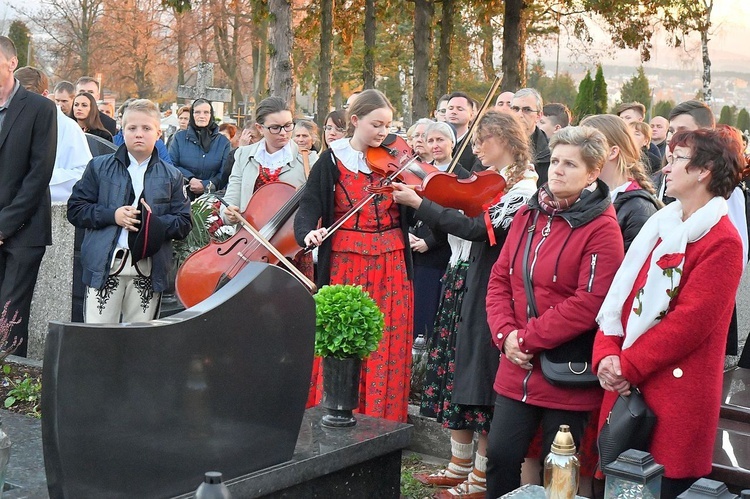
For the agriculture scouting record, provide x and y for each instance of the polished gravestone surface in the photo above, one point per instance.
(732, 446)
(143, 410)
(735, 397)
(25, 476)
(363, 461)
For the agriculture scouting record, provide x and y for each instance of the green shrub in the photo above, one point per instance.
(348, 322)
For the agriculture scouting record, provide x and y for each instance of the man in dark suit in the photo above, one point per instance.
(527, 103)
(90, 85)
(28, 140)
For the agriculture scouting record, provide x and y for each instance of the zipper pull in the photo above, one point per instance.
(547, 228)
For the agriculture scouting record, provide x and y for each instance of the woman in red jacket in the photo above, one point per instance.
(663, 325)
(575, 249)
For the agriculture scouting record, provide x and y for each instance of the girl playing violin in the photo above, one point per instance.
(461, 368)
(371, 249)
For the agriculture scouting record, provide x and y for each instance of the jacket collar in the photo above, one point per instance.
(590, 205)
(15, 106)
(193, 137)
(121, 155)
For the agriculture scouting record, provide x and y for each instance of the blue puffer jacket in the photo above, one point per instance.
(105, 187)
(188, 156)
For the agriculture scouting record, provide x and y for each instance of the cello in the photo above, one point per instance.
(272, 208)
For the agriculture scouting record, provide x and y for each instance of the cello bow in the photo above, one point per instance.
(270, 247)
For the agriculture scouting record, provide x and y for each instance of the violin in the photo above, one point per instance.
(394, 160)
(468, 194)
(272, 208)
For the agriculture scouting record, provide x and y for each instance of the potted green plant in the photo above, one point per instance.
(348, 327)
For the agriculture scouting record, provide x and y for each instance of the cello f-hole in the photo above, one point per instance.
(242, 240)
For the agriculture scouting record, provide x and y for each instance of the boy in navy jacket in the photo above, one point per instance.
(132, 204)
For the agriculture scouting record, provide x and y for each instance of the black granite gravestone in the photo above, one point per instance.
(143, 410)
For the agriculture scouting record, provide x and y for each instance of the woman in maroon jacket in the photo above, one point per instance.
(664, 322)
(575, 249)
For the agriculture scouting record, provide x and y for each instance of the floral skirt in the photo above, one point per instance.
(438, 384)
(386, 373)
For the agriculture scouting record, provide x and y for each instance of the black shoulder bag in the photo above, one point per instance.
(568, 364)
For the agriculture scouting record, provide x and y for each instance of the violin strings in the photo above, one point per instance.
(268, 230)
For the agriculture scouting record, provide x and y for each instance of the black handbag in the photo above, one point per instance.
(629, 426)
(568, 364)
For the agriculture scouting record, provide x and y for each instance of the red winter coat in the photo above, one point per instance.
(574, 267)
(678, 363)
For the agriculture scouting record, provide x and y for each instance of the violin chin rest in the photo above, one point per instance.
(389, 139)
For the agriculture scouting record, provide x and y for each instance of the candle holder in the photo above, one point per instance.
(634, 474)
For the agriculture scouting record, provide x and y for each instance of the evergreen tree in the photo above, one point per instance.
(637, 89)
(743, 120)
(727, 116)
(536, 76)
(663, 107)
(21, 36)
(561, 89)
(584, 105)
(600, 91)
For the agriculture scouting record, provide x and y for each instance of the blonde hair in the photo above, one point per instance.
(642, 127)
(144, 106)
(591, 143)
(618, 133)
(365, 103)
(509, 130)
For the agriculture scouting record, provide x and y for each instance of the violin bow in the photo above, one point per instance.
(270, 247)
(470, 132)
(354, 209)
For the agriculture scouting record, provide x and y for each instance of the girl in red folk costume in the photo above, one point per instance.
(371, 249)
(663, 325)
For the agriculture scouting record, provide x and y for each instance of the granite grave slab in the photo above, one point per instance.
(143, 410)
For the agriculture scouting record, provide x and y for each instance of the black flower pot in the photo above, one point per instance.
(340, 391)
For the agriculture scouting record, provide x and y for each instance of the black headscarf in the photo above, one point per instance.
(205, 133)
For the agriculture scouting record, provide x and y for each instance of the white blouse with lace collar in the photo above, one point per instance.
(274, 161)
(353, 160)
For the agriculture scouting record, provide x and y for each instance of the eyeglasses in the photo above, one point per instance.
(525, 109)
(330, 128)
(276, 129)
(676, 158)
(441, 111)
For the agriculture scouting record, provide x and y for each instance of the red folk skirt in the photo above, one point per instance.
(377, 262)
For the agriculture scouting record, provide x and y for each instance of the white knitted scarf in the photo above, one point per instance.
(662, 284)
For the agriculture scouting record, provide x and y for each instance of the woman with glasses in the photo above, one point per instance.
(671, 344)
(276, 158)
(335, 128)
(201, 152)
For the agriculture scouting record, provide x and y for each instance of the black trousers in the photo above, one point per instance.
(514, 425)
(19, 267)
